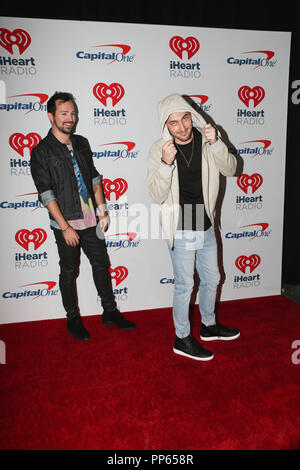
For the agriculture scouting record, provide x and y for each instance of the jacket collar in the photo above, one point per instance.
(52, 137)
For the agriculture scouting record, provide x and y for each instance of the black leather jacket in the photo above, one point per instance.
(54, 177)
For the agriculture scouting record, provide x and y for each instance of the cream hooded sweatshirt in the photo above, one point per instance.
(163, 183)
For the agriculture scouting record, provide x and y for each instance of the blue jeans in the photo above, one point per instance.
(190, 248)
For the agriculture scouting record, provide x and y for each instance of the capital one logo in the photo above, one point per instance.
(243, 262)
(245, 181)
(202, 102)
(202, 98)
(119, 186)
(268, 54)
(118, 274)
(18, 37)
(35, 294)
(179, 45)
(256, 94)
(119, 153)
(40, 292)
(31, 106)
(19, 142)
(128, 144)
(257, 150)
(37, 236)
(102, 92)
(124, 47)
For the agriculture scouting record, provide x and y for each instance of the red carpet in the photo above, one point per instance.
(127, 390)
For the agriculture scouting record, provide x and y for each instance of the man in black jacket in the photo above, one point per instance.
(69, 186)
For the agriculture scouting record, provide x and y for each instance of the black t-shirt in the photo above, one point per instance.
(193, 214)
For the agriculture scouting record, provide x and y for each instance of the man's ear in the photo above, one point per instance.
(50, 116)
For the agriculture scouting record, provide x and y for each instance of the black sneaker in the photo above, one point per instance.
(76, 328)
(217, 331)
(115, 318)
(190, 348)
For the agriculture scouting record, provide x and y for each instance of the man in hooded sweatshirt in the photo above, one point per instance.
(183, 177)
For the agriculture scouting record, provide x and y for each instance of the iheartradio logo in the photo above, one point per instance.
(18, 37)
(19, 142)
(118, 274)
(245, 181)
(119, 186)
(190, 45)
(102, 92)
(24, 237)
(243, 262)
(247, 94)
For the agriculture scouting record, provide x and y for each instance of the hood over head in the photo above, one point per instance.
(175, 103)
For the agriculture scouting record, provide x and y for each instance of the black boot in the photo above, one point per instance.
(76, 328)
(115, 318)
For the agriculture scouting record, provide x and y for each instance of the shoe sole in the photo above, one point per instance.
(220, 338)
(111, 323)
(86, 338)
(180, 353)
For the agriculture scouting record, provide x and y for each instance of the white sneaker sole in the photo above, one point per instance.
(181, 353)
(220, 338)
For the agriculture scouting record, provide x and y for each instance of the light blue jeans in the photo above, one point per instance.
(190, 249)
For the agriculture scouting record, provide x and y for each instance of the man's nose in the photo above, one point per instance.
(181, 126)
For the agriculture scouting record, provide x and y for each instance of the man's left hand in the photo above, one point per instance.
(104, 222)
(210, 133)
